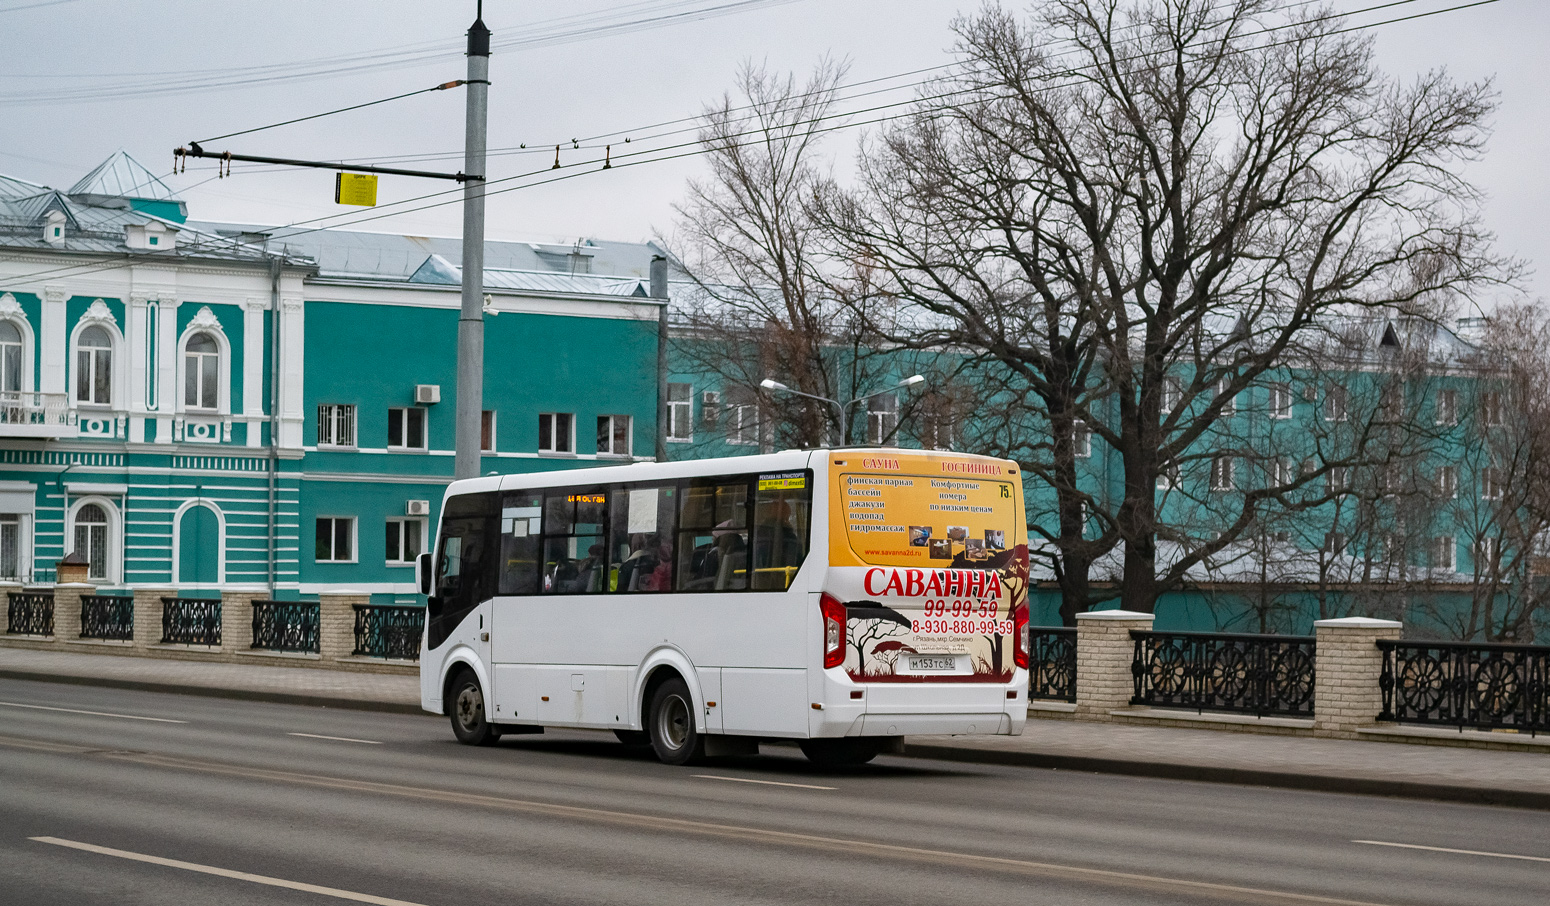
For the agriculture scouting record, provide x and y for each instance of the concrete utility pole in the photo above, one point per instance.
(470, 324)
(659, 291)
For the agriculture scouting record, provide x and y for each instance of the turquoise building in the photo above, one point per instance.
(206, 405)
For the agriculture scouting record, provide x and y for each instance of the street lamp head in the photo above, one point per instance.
(913, 380)
(772, 384)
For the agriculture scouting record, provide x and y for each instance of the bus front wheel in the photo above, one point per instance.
(835, 753)
(671, 724)
(469, 722)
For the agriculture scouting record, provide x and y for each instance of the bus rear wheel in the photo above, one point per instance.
(671, 724)
(838, 753)
(469, 723)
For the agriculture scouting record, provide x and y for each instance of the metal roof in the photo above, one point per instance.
(121, 176)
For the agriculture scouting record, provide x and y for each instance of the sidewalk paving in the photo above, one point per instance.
(1519, 779)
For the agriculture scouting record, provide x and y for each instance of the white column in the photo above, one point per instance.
(52, 349)
(292, 356)
(253, 366)
(167, 389)
(135, 347)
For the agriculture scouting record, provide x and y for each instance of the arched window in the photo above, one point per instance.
(10, 358)
(91, 539)
(93, 366)
(202, 372)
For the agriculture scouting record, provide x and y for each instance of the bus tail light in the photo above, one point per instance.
(833, 611)
(1020, 635)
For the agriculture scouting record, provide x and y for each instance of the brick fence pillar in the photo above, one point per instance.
(1346, 667)
(148, 609)
(67, 609)
(237, 620)
(1103, 655)
(336, 622)
(5, 596)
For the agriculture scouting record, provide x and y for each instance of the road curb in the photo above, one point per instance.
(282, 698)
(1368, 786)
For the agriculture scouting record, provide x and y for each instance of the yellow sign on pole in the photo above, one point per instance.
(356, 188)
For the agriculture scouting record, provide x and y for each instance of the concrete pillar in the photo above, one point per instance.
(237, 620)
(148, 609)
(1346, 667)
(1104, 652)
(67, 609)
(336, 622)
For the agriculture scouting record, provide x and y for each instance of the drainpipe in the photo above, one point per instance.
(659, 291)
(274, 414)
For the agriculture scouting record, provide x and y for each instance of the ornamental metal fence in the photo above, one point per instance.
(1466, 685)
(191, 621)
(1052, 663)
(30, 613)
(285, 626)
(1211, 671)
(109, 617)
(388, 632)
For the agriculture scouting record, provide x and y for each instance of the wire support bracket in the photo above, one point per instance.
(180, 163)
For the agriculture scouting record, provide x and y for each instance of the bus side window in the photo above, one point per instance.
(640, 545)
(575, 557)
(465, 564)
(713, 536)
(521, 527)
(780, 533)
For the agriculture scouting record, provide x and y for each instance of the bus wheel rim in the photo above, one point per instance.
(673, 723)
(469, 706)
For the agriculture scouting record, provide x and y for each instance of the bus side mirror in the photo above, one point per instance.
(422, 572)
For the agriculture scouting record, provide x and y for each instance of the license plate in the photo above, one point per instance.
(930, 664)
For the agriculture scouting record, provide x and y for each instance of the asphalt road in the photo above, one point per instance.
(239, 802)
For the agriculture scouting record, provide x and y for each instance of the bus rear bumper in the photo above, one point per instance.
(934, 724)
(920, 709)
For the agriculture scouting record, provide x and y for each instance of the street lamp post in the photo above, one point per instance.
(842, 409)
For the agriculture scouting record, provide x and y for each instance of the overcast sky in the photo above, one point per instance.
(81, 78)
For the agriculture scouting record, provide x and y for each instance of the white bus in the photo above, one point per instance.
(839, 598)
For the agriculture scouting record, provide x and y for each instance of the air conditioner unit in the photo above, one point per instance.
(427, 393)
(710, 407)
(417, 508)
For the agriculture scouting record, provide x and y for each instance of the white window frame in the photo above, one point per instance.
(1338, 480)
(1335, 543)
(680, 415)
(1280, 400)
(403, 434)
(222, 368)
(882, 418)
(76, 350)
(1445, 553)
(488, 414)
(1336, 402)
(1446, 407)
(1448, 482)
(629, 436)
(23, 570)
(114, 553)
(1491, 484)
(1173, 394)
(401, 521)
(1486, 555)
(337, 417)
(1491, 408)
(569, 438)
(355, 540)
(1230, 406)
(1222, 468)
(742, 421)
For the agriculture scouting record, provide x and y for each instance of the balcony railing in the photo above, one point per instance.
(33, 414)
(1217, 671)
(1466, 684)
(1052, 663)
(388, 632)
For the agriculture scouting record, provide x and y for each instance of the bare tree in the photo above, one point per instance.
(1147, 224)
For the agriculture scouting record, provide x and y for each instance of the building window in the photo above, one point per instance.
(91, 539)
(1487, 552)
(680, 412)
(1081, 440)
(336, 425)
(1335, 403)
(202, 372)
(742, 418)
(1448, 482)
(882, 418)
(1337, 479)
(1280, 400)
(613, 435)
(1221, 473)
(405, 539)
(335, 539)
(406, 429)
(1491, 485)
(1167, 477)
(1391, 402)
(93, 366)
(1229, 399)
(1282, 472)
(1173, 394)
(10, 545)
(1491, 408)
(1442, 553)
(487, 431)
(1447, 407)
(556, 432)
(1334, 542)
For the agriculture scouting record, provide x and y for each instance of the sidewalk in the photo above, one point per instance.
(1520, 779)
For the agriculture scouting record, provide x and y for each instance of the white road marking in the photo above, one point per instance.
(228, 873)
(368, 742)
(1462, 852)
(800, 786)
(160, 720)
